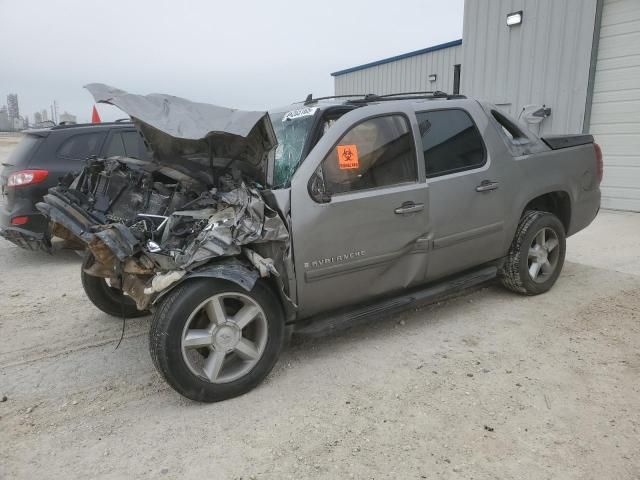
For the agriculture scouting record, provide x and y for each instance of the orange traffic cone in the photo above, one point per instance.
(95, 118)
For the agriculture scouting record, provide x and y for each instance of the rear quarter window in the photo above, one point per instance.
(24, 151)
(81, 146)
(134, 146)
(115, 147)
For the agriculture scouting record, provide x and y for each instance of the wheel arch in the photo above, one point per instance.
(242, 275)
(234, 272)
(557, 202)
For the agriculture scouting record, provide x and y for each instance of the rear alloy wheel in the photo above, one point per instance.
(213, 340)
(536, 255)
(543, 256)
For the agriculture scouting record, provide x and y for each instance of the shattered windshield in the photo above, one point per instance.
(292, 129)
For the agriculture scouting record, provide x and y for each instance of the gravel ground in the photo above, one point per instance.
(488, 385)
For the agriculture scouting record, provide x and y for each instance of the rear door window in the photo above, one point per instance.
(451, 142)
(378, 152)
(81, 146)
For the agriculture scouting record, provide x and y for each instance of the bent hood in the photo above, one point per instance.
(189, 135)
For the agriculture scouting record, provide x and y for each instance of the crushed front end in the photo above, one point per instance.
(148, 225)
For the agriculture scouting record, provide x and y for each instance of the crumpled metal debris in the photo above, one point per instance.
(149, 223)
(246, 219)
(119, 239)
(265, 266)
(152, 230)
(162, 281)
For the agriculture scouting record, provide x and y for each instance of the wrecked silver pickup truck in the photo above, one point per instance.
(320, 215)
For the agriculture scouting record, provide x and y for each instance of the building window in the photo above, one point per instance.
(456, 79)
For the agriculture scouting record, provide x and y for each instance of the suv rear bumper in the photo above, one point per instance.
(26, 239)
(33, 235)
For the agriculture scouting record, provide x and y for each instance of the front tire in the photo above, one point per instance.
(536, 255)
(108, 299)
(212, 340)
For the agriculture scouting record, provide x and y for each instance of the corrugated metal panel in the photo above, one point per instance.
(403, 75)
(545, 60)
(615, 113)
(441, 46)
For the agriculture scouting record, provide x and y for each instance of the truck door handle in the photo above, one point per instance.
(409, 207)
(487, 185)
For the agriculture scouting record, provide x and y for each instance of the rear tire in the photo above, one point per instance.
(108, 299)
(536, 255)
(212, 340)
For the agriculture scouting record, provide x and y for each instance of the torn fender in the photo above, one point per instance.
(230, 269)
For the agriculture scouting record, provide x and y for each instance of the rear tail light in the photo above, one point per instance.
(599, 162)
(19, 220)
(26, 177)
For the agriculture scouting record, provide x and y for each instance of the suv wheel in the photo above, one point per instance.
(212, 340)
(107, 298)
(536, 255)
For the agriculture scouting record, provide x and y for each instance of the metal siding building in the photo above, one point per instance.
(543, 61)
(615, 108)
(403, 73)
(581, 58)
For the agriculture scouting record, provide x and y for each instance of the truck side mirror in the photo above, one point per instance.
(324, 197)
(317, 187)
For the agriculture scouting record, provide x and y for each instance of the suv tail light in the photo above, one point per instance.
(19, 220)
(599, 162)
(26, 177)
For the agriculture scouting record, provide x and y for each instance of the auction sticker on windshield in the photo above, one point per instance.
(301, 112)
(348, 157)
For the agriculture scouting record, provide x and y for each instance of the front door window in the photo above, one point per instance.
(376, 153)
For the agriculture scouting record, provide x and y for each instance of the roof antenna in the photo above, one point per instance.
(309, 99)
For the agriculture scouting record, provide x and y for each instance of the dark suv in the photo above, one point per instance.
(41, 159)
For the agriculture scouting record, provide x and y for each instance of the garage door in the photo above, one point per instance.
(615, 115)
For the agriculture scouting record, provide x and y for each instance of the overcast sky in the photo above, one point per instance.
(241, 54)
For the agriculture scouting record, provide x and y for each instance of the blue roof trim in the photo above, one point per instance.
(442, 46)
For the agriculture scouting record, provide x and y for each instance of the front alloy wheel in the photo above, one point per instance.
(224, 337)
(212, 340)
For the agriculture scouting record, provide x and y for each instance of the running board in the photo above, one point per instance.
(344, 319)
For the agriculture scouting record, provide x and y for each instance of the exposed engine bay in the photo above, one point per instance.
(149, 224)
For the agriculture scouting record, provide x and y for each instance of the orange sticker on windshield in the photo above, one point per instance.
(348, 157)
